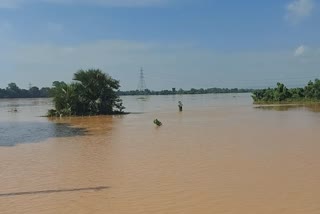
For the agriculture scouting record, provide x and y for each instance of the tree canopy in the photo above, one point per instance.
(91, 93)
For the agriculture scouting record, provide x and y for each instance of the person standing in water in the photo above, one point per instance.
(180, 105)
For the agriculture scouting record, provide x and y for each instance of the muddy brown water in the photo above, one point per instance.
(220, 155)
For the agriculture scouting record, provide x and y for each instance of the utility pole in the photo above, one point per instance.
(142, 83)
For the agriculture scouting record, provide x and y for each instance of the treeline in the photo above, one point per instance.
(13, 91)
(282, 94)
(181, 91)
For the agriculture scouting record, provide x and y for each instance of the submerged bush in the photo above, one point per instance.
(92, 93)
(157, 122)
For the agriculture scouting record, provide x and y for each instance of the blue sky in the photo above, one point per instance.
(180, 43)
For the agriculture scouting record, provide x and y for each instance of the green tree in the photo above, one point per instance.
(13, 91)
(34, 92)
(281, 94)
(92, 93)
(65, 99)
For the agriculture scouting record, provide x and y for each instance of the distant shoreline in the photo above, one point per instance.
(13, 91)
(127, 95)
(188, 92)
(183, 94)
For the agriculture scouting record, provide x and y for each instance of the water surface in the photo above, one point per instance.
(220, 155)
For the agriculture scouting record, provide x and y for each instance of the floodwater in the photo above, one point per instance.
(220, 155)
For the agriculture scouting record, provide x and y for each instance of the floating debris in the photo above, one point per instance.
(157, 122)
(14, 110)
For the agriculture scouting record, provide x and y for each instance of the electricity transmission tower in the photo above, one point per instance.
(142, 83)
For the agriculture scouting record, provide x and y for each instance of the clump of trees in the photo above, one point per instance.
(13, 91)
(91, 93)
(282, 94)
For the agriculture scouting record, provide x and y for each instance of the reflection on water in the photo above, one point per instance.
(13, 133)
(312, 108)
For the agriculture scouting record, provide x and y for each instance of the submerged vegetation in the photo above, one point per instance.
(282, 95)
(157, 122)
(92, 93)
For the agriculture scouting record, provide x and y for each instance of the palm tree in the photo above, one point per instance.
(65, 99)
(92, 93)
(97, 90)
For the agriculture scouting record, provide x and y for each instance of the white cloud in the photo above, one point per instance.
(298, 10)
(107, 3)
(301, 50)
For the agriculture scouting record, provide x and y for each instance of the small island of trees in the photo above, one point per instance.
(92, 93)
(283, 95)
